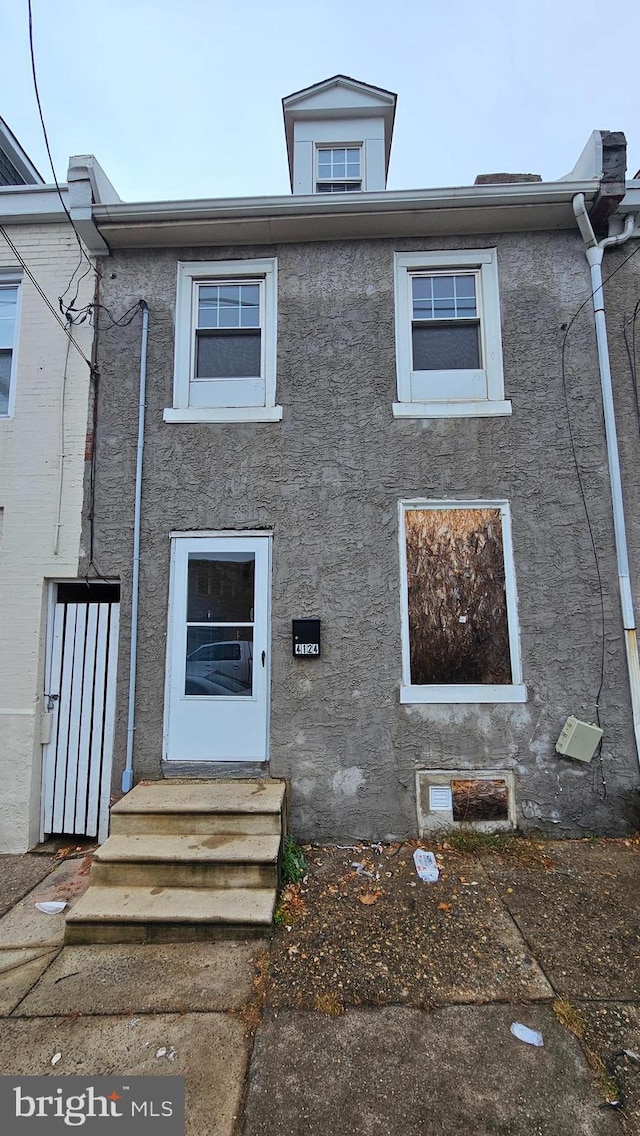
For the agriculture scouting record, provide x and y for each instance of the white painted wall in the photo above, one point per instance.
(309, 133)
(30, 458)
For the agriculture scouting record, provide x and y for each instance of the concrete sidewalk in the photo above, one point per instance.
(384, 1017)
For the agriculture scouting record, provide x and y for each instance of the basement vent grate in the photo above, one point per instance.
(440, 798)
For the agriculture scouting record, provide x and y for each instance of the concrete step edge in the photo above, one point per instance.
(186, 848)
(130, 904)
(205, 798)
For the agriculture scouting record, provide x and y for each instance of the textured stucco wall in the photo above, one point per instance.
(327, 480)
(31, 443)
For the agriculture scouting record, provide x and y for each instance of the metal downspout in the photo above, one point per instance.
(594, 251)
(127, 776)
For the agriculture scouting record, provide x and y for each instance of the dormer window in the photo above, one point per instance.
(338, 169)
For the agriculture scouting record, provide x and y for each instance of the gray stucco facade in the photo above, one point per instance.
(327, 480)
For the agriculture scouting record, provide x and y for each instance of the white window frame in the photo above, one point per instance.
(12, 279)
(515, 691)
(490, 376)
(341, 180)
(192, 273)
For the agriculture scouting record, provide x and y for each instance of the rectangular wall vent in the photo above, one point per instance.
(440, 799)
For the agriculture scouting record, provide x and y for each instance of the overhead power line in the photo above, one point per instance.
(83, 254)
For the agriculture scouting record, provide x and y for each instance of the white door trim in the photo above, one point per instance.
(196, 534)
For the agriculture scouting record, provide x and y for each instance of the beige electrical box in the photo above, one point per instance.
(578, 739)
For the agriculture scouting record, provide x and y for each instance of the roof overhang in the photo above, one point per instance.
(273, 220)
(32, 204)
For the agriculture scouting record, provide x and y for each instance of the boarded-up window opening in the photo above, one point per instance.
(458, 626)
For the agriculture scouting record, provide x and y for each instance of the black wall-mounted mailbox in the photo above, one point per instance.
(306, 638)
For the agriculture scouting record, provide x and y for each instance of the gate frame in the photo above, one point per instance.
(51, 601)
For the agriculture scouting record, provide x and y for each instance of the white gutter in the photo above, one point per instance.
(127, 776)
(313, 204)
(594, 251)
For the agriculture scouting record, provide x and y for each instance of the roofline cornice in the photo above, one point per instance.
(529, 193)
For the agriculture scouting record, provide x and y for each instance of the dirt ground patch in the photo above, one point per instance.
(362, 928)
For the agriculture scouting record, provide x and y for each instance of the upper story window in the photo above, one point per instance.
(228, 335)
(9, 298)
(225, 349)
(339, 169)
(448, 337)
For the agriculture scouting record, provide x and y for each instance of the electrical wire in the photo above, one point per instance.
(63, 396)
(43, 295)
(46, 140)
(89, 310)
(632, 356)
(567, 330)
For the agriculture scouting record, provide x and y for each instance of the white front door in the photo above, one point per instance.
(218, 654)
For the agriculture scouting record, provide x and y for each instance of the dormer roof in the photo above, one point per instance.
(335, 98)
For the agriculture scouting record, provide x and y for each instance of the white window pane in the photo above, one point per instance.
(465, 286)
(443, 287)
(228, 670)
(229, 306)
(7, 333)
(8, 302)
(220, 588)
(444, 309)
(5, 380)
(208, 306)
(250, 305)
(422, 287)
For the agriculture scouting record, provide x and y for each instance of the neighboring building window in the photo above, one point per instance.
(9, 296)
(339, 169)
(225, 351)
(448, 338)
(459, 608)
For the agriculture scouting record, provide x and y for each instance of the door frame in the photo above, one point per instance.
(208, 534)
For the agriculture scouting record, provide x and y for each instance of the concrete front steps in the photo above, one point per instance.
(185, 861)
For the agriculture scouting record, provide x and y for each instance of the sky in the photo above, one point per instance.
(181, 99)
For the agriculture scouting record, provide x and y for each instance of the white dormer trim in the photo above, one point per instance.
(337, 111)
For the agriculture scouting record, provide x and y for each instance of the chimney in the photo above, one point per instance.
(505, 179)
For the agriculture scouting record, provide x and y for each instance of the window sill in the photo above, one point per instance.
(484, 409)
(458, 694)
(223, 414)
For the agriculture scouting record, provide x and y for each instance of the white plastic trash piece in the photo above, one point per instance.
(52, 906)
(426, 866)
(360, 870)
(162, 1052)
(523, 1033)
(56, 1057)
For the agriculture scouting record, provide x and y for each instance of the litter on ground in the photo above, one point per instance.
(523, 1033)
(52, 906)
(426, 866)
